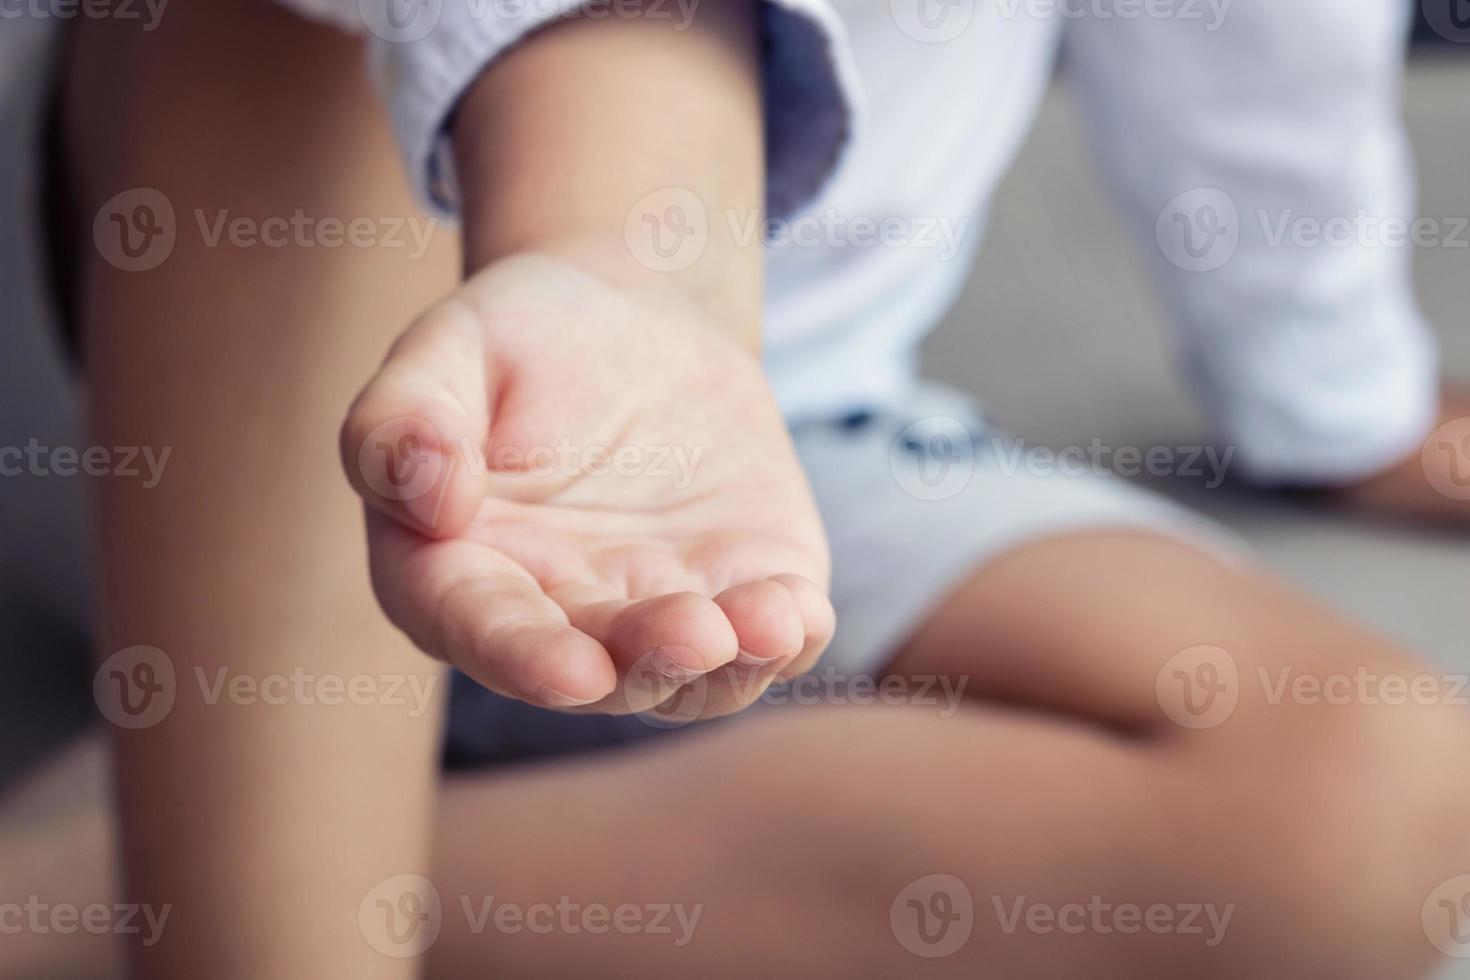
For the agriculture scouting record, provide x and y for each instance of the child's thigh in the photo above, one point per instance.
(1146, 632)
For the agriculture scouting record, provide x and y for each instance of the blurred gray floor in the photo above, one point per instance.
(1058, 332)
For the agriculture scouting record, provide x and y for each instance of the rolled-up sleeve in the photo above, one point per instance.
(1259, 149)
(427, 53)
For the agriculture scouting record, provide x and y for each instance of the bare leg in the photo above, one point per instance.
(277, 789)
(1319, 829)
(1433, 484)
(58, 844)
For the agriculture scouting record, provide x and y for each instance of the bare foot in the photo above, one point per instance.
(1433, 484)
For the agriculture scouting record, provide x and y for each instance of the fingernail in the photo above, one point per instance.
(747, 659)
(557, 699)
(672, 662)
(424, 508)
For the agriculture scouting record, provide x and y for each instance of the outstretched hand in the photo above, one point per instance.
(584, 497)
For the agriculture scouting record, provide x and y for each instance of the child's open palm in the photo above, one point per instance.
(586, 499)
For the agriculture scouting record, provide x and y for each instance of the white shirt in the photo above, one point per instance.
(1255, 146)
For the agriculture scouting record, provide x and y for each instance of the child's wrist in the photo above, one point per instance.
(598, 228)
(608, 258)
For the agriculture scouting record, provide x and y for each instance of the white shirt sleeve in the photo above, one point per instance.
(426, 53)
(1258, 149)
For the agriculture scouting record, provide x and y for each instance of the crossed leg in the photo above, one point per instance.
(1292, 839)
(1312, 833)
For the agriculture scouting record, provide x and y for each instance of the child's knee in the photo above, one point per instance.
(1360, 814)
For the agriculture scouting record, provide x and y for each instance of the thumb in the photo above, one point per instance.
(412, 444)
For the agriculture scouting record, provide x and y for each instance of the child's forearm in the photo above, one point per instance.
(631, 147)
